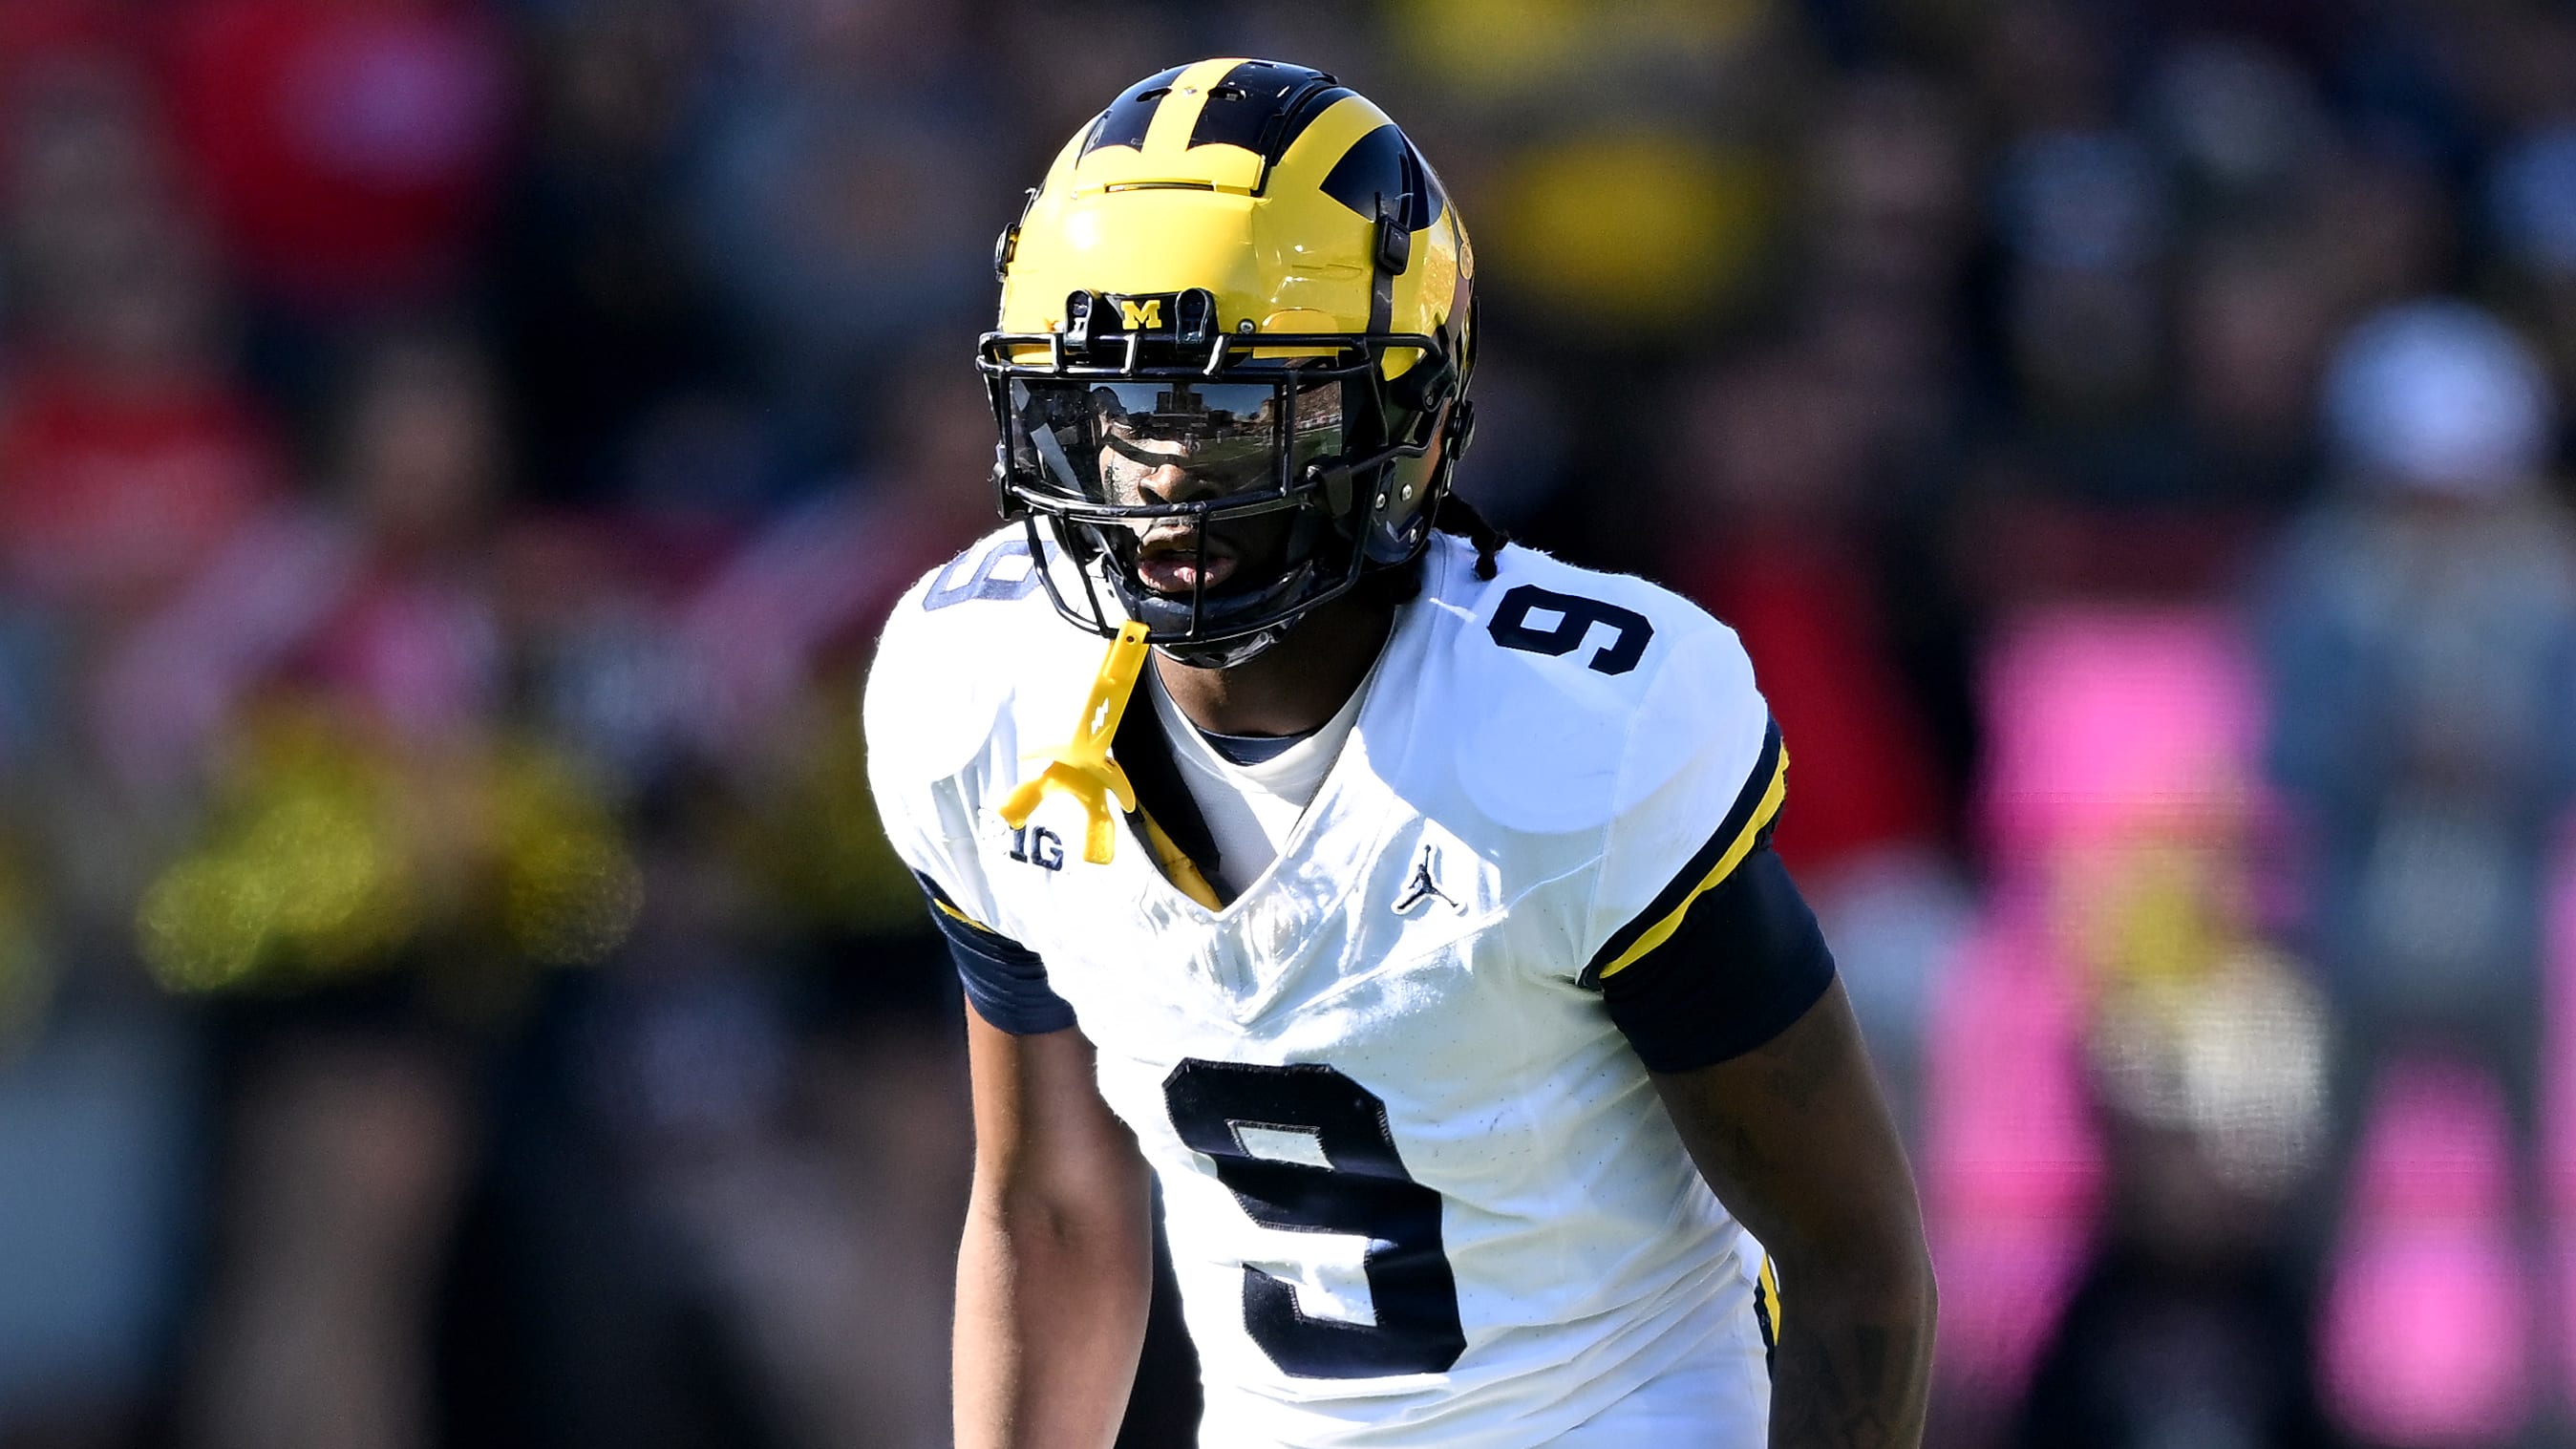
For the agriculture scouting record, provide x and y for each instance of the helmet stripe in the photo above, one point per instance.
(1179, 115)
(1128, 117)
(1383, 164)
(1275, 105)
(1306, 108)
(1322, 141)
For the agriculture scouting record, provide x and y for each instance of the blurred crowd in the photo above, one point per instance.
(455, 456)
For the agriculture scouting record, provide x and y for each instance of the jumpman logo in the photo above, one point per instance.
(1425, 883)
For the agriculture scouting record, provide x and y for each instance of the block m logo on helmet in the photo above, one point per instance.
(1139, 316)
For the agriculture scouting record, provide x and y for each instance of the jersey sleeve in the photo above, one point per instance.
(1702, 947)
(1005, 981)
(931, 825)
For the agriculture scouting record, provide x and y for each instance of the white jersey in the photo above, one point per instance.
(1251, 809)
(1419, 1189)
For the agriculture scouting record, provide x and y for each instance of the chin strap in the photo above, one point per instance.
(1081, 767)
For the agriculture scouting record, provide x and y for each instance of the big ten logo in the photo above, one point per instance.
(1036, 845)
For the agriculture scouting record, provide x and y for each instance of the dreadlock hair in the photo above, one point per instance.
(1456, 517)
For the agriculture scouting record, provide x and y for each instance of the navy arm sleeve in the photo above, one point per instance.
(1005, 980)
(1744, 963)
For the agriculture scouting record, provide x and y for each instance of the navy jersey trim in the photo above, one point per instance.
(1249, 750)
(1677, 896)
(1161, 793)
(1005, 981)
(1746, 962)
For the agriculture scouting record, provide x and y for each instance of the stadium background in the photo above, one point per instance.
(454, 454)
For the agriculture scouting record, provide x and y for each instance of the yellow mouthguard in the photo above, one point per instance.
(1081, 767)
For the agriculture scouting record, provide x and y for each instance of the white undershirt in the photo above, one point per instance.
(1250, 809)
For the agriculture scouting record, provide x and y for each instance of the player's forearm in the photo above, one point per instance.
(1796, 1138)
(1050, 1318)
(1854, 1365)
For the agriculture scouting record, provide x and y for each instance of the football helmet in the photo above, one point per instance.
(1237, 323)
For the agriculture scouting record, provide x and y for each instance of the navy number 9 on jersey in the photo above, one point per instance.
(992, 577)
(1575, 616)
(1364, 1192)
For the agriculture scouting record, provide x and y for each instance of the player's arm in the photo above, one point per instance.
(1055, 1268)
(1724, 986)
(1054, 1265)
(1797, 1142)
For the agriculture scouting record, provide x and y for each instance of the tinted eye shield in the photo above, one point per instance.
(1356, 362)
(1258, 459)
(1143, 441)
(1228, 463)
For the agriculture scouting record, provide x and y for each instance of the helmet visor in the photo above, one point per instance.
(1161, 442)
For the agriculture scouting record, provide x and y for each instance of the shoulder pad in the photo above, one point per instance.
(952, 653)
(1580, 694)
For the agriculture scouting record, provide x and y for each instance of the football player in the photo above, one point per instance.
(1402, 899)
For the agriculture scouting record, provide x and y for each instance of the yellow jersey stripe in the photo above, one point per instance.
(957, 915)
(1182, 871)
(1662, 930)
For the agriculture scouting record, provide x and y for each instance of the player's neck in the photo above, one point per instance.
(1292, 687)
